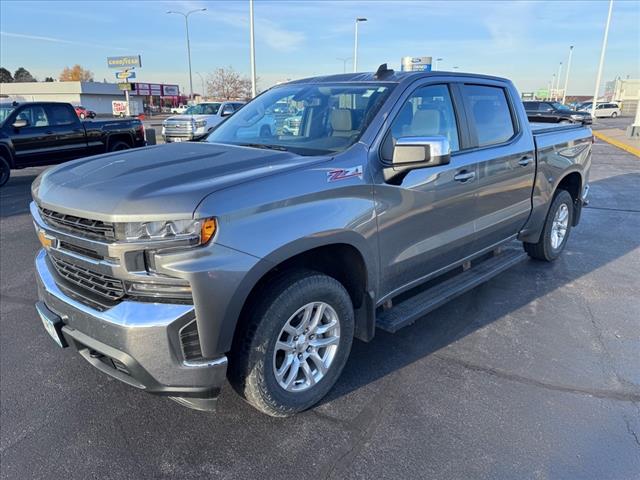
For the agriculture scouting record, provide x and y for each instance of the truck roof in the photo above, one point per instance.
(388, 76)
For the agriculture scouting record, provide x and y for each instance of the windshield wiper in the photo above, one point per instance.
(265, 146)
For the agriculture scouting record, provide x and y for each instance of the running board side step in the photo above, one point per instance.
(413, 308)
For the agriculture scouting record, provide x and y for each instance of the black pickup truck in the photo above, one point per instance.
(44, 133)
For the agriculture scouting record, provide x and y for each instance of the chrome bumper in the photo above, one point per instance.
(142, 336)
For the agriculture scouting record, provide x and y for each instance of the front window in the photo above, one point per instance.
(203, 109)
(5, 111)
(307, 119)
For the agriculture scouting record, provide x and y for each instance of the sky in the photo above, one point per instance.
(524, 41)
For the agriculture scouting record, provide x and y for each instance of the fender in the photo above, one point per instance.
(286, 252)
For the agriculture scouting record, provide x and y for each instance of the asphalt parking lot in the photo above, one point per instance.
(535, 374)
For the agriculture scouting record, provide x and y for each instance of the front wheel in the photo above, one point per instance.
(295, 344)
(555, 232)
(5, 171)
(614, 114)
(118, 146)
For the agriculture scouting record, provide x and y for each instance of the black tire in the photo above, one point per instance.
(119, 145)
(614, 114)
(5, 171)
(82, 116)
(544, 250)
(251, 361)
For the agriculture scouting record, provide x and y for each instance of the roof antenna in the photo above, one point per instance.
(383, 71)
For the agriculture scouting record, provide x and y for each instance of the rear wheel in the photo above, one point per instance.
(614, 114)
(5, 171)
(557, 227)
(82, 116)
(119, 145)
(295, 344)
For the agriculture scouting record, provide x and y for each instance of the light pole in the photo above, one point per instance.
(553, 83)
(344, 63)
(186, 23)
(438, 60)
(253, 51)
(355, 46)
(202, 82)
(600, 67)
(566, 78)
(558, 81)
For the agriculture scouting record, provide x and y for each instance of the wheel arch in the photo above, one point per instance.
(346, 261)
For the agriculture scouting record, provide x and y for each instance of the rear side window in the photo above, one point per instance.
(34, 115)
(61, 115)
(490, 114)
(531, 106)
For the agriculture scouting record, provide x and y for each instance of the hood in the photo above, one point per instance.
(165, 182)
(188, 118)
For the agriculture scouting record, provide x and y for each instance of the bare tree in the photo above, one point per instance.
(227, 84)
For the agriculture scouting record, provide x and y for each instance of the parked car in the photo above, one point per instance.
(44, 133)
(555, 112)
(197, 121)
(259, 260)
(611, 110)
(84, 113)
(291, 125)
(180, 109)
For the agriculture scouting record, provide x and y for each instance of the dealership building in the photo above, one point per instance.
(94, 96)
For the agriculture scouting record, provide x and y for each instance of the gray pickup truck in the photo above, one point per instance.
(258, 258)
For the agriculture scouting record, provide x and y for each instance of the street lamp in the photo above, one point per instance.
(566, 78)
(252, 48)
(438, 60)
(558, 81)
(202, 82)
(553, 83)
(186, 23)
(355, 47)
(344, 63)
(602, 52)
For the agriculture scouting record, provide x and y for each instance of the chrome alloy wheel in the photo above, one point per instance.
(306, 347)
(559, 226)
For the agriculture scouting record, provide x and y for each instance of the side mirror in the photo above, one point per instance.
(411, 153)
(20, 123)
(226, 111)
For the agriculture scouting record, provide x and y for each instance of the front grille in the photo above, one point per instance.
(103, 285)
(84, 226)
(181, 128)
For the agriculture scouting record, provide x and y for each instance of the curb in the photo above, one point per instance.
(627, 148)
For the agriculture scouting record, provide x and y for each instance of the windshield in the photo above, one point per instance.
(5, 111)
(203, 109)
(307, 119)
(559, 106)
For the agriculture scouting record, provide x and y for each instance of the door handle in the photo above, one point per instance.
(524, 161)
(463, 176)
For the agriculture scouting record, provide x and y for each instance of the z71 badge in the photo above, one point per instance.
(344, 173)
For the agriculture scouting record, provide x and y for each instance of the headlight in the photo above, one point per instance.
(201, 230)
(201, 123)
(577, 117)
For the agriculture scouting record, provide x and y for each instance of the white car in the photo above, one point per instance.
(180, 109)
(602, 109)
(197, 121)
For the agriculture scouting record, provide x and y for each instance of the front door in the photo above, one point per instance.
(71, 141)
(426, 219)
(505, 156)
(33, 143)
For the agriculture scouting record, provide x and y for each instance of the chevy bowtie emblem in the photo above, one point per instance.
(47, 240)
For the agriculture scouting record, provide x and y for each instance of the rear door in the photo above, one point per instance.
(426, 218)
(71, 141)
(504, 154)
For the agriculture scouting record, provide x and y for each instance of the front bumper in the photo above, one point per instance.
(134, 342)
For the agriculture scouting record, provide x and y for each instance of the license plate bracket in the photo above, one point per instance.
(52, 324)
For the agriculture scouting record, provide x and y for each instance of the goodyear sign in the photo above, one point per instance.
(126, 61)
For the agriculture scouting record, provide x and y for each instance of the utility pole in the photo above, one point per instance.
(186, 23)
(253, 51)
(566, 78)
(344, 63)
(601, 65)
(355, 46)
